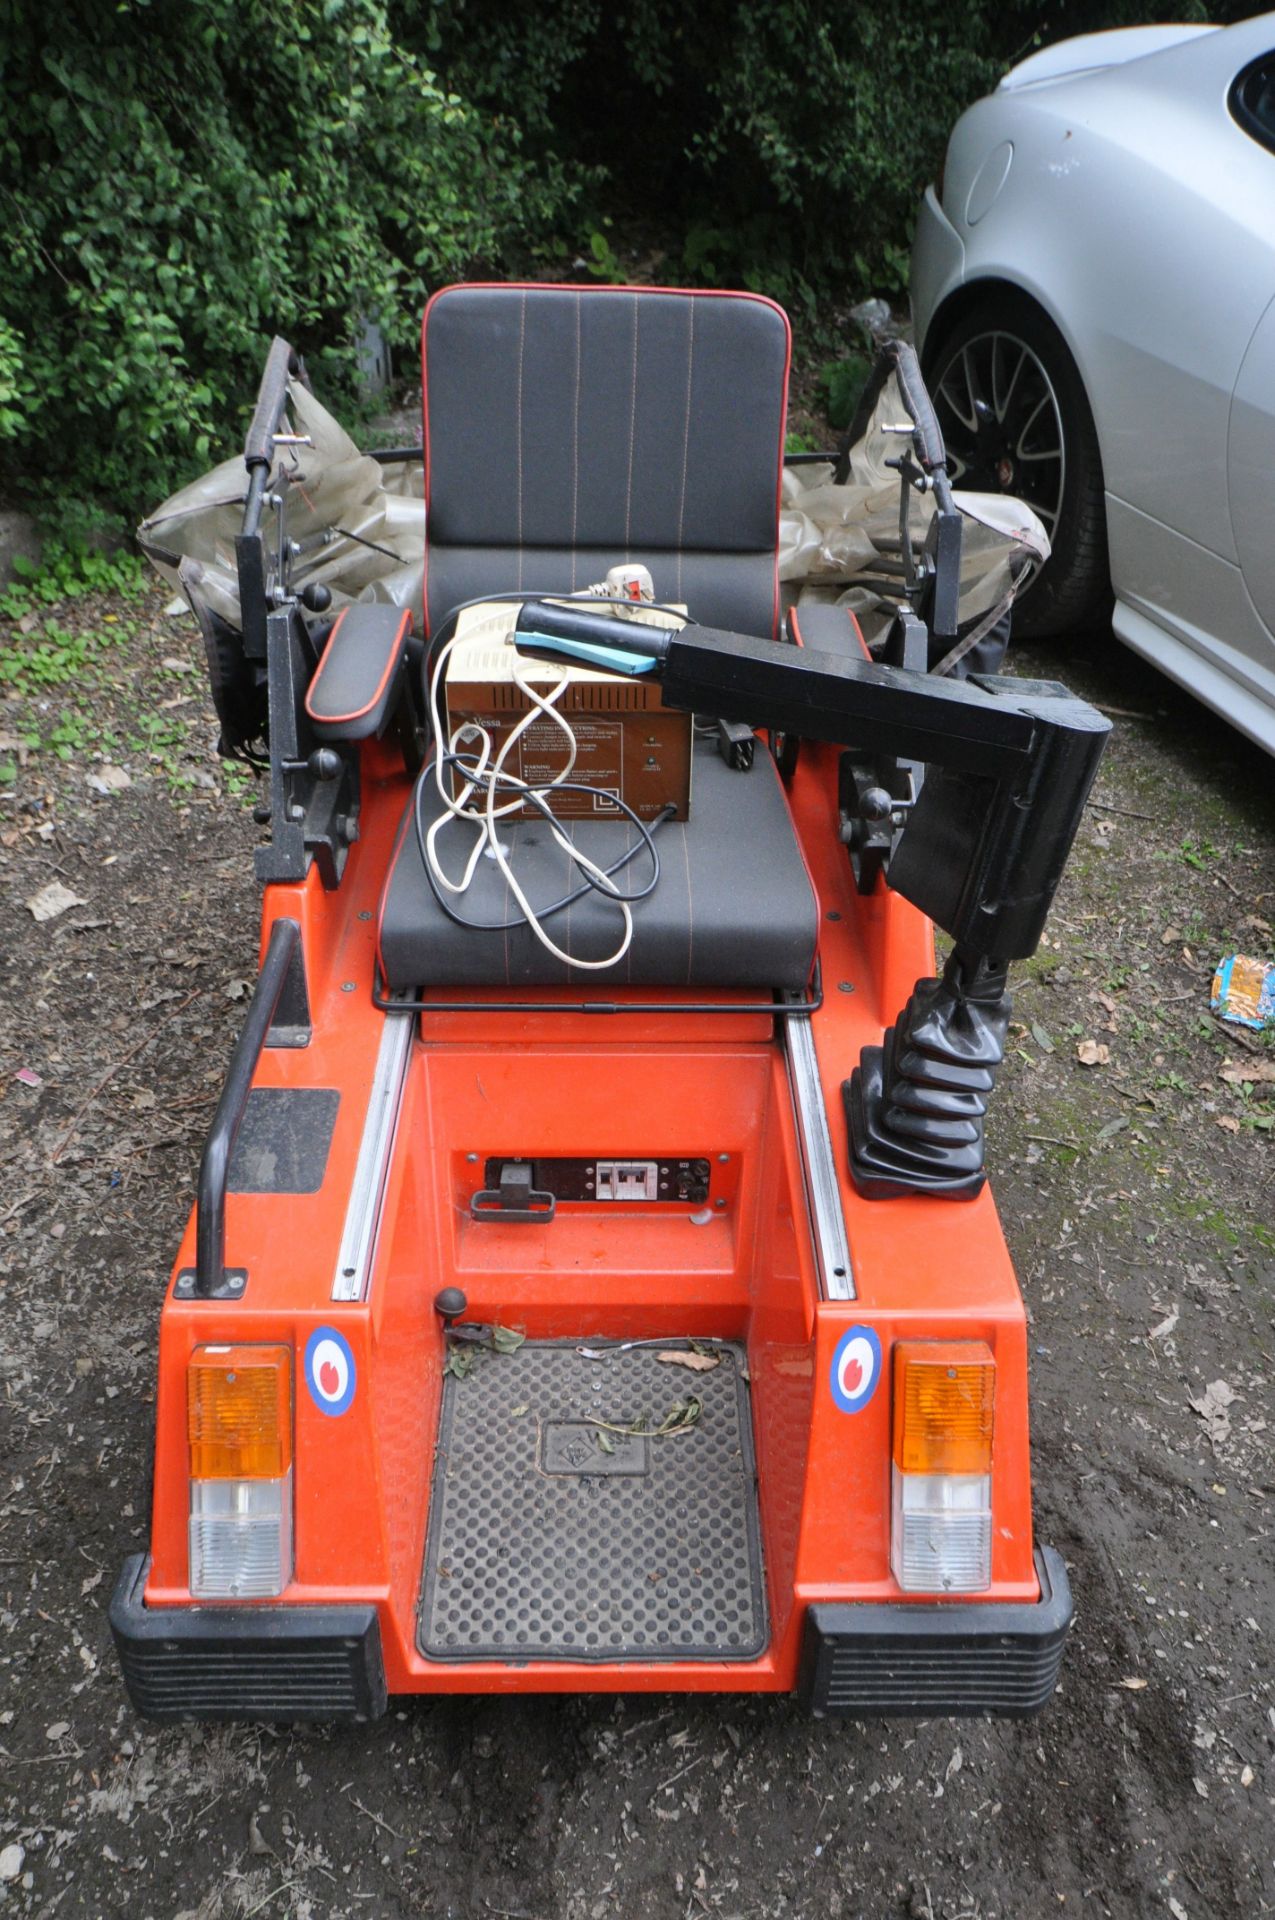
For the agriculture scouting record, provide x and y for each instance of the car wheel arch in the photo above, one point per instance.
(963, 299)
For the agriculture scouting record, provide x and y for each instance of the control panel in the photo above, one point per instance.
(620, 1182)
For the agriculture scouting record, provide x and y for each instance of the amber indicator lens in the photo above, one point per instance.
(239, 1413)
(944, 1399)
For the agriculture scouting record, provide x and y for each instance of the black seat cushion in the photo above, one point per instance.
(734, 906)
(568, 429)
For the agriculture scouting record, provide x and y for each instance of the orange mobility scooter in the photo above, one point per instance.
(593, 1282)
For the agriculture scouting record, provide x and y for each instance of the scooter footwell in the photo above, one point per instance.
(594, 1505)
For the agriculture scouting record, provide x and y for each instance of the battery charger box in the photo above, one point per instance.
(628, 743)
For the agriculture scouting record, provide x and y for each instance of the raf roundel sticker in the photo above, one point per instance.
(329, 1370)
(856, 1368)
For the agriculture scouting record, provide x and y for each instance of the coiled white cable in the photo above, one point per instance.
(476, 802)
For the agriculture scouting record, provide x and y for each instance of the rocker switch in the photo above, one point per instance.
(628, 1180)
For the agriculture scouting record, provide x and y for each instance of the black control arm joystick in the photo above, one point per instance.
(1009, 765)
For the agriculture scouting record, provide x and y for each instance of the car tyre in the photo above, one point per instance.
(1007, 392)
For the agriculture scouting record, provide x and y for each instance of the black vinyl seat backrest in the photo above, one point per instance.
(570, 429)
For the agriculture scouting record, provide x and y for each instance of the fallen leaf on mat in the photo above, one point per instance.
(697, 1362)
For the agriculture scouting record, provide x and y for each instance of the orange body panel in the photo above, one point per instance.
(569, 1084)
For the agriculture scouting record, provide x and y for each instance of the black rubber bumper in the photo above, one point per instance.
(246, 1663)
(947, 1658)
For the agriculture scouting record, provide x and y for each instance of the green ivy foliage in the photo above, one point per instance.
(182, 178)
(785, 146)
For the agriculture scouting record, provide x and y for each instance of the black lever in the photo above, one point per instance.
(514, 1198)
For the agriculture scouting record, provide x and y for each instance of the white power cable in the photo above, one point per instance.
(476, 805)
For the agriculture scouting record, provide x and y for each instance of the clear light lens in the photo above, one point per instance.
(240, 1538)
(941, 1532)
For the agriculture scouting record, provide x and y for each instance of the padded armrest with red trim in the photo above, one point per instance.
(826, 628)
(353, 692)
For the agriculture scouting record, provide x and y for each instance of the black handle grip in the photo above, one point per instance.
(214, 1168)
(587, 624)
(927, 440)
(898, 358)
(271, 398)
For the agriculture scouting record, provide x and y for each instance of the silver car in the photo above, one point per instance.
(1093, 287)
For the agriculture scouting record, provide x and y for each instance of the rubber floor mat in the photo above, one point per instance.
(553, 1536)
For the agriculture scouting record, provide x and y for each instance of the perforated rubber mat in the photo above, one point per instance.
(552, 1537)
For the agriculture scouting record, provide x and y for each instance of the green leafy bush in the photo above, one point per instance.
(185, 178)
(840, 384)
(787, 144)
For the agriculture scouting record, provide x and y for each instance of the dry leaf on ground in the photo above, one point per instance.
(1092, 1053)
(109, 780)
(1213, 1408)
(52, 900)
(1255, 1072)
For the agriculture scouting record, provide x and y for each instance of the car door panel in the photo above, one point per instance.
(1251, 474)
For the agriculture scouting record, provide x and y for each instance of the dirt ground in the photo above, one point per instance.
(1140, 1206)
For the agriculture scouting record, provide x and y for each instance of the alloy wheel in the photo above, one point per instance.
(1002, 424)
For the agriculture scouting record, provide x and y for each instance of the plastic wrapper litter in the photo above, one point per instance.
(1244, 991)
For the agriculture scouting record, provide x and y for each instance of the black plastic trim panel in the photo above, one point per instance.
(1252, 100)
(945, 1658)
(246, 1663)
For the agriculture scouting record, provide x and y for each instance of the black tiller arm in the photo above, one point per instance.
(282, 364)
